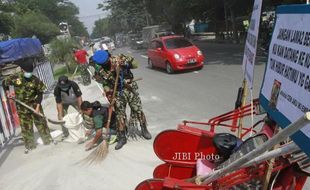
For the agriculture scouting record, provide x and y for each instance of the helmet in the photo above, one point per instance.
(100, 57)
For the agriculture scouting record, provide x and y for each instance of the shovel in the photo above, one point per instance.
(39, 114)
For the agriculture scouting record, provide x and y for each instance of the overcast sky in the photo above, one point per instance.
(89, 12)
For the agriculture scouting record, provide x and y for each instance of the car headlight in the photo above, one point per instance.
(199, 52)
(177, 56)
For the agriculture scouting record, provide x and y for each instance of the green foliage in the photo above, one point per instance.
(52, 12)
(132, 15)
(62, 52)
(64, 71)
(101, 28)
(126, 15)
(6, 23)
(35, 24)
(77, 28)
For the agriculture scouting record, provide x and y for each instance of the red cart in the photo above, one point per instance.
(179, 150)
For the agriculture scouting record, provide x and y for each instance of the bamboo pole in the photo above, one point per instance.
(243, 102)
(281, 136)
(284, 150)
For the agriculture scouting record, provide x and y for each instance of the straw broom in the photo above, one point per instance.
(102, 150)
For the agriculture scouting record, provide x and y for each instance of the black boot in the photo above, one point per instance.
(122, 140)
(145, 133)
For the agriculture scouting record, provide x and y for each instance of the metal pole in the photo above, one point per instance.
(281, 136)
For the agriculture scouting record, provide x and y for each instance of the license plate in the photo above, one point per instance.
(191, 61)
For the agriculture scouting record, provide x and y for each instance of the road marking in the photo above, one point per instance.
(155, 98)
(196, 72)
(144, 56)
(129, 51)
(241, 55)
(150, 99)
(214, 62)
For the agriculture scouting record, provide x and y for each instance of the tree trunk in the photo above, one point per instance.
(67, 67)
(233, 24)
(226, 19)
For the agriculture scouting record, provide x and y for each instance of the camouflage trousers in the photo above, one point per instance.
(132, 98)
(85, 74)
(27, 119)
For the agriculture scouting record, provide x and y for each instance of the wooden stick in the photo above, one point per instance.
(243, 102)
(113, 98)
(60, 122)
(281, 136)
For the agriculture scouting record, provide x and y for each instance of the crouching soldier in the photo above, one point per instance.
(99, 115)
(67, 93)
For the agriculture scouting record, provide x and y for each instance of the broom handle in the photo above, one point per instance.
(60, 122)
(113, 99)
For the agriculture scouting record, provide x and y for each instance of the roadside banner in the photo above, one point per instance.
(251, 44)
(285, 93)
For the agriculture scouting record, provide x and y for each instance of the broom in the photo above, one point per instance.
(101, 151)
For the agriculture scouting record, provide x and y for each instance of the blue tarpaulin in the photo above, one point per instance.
(13, 50)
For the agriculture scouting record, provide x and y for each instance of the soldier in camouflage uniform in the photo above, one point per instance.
(127, 93)
(29, 89)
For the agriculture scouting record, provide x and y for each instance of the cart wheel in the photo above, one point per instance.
(169, 69)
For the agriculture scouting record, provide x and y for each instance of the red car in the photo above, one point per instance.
(174, 53)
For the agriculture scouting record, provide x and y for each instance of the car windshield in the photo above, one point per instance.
(174, 43)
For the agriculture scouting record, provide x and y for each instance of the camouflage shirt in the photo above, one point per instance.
(29, 91)
(106, 76)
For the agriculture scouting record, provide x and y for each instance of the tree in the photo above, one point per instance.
(101, 28)
(55, 10)
(128, 15)
(62, 52)
(6, 23)
(35, 24)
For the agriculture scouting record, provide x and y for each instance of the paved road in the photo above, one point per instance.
(192, 95)
(167, 100)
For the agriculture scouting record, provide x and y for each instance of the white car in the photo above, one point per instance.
(109, 42)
